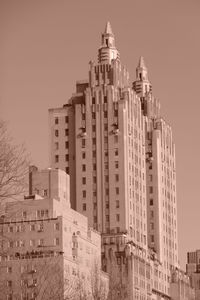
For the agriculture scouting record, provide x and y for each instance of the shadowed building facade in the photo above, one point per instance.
(119, 152)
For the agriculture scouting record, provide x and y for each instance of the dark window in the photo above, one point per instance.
(83, 168)
(117, 203)
(94, 141)
(93, 127)
(83, 117)
(84, 194)
(93, 115)
(83, 143)
(93, 100)
(117, 190)
(84, 180)
(56, 133)
(105, 99)
(115, 113)
(56, 158)
(83, 155)
(151, 201)
(56, 120)
(66, 131)
(93, 153)
(84, 206)
(107, 218)
(67, 170)
(105, 114)
(66, 157)
(66, 145)
(66, 119)
(105, 126)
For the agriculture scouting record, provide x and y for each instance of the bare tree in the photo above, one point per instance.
(13, 166)
(99, 282)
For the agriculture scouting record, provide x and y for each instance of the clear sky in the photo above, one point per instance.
(45, 46)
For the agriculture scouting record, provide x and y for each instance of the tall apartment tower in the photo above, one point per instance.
(110, 138)
(98, 137)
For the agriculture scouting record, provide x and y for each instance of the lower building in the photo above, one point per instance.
(47, 250)
(193, 271)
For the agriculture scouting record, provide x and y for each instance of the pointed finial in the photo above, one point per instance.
(108, 29)
(141, 63)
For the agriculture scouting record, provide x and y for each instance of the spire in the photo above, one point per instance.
(108, 51)
(108, 29)
(142, 86)
(141, 63)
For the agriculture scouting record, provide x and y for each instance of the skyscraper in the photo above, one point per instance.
(110, 138)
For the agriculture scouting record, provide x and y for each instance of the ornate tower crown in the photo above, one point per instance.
(108, 51)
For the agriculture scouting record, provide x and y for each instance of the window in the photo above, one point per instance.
(10, 297)
(66, 119)
(45, 193)
(67, 170)
(66, 145)
(83, 143)
(93, 153)
(93, 115)
(84, 194)
(83, 155)
(116, 152)
(152, 238)
(116, 164)
(83, 168)
(93, 100)
(94, 141)
(107, 218)
(56, 133)
(32, 243)
(40, 227)
(83, 116)
(106, 178)
(40, 242)
(11, 244)
(152, 226)
(56, 120)
(105, 139)
(105, 98)
(56, 145)
(117, 203)
(56, 242)
(66, 157)
(9, 269)
(150, 189)
(105, 114)
(93, 127)
(107, 192)
(116, 177)
(66, 132)
(117, 190)
(9, 283)
(84, 180)
(107, 205)
(115, 113)
(57, 226)
(84, 206)
(32, 227)
(116, 139)
(94, 179)
(24, 214)
(117, 217)
(106, 127)
(56, 158)
(151, 201)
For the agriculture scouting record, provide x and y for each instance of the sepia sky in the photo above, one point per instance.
(45, 46)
